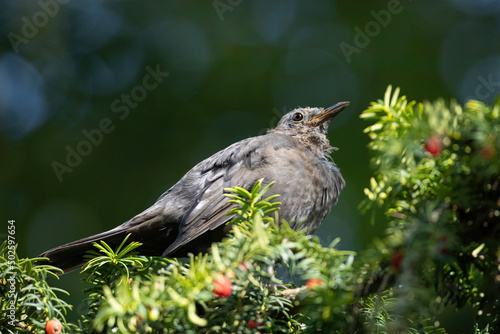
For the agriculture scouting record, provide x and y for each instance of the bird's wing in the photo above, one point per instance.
(238, 165)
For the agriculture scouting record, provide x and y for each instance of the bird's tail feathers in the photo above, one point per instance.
(70, 256)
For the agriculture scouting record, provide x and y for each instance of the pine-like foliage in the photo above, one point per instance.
(436, 175)
(168, 296)
(26, 299)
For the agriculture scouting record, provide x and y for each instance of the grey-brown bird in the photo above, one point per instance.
(192, 214)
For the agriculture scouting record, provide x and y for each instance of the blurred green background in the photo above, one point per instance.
(234, 67)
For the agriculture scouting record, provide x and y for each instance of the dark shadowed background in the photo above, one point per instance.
(105, 104)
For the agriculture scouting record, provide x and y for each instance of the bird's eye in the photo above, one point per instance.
(297, 117)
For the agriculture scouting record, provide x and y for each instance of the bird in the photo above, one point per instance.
(194, 212)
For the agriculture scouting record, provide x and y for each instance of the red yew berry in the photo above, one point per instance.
(487, 152)
(255, 324)
(443, 244)
(443, 250)
(314, 282)
(53, 327)
(396, 260)
(222, 286)
(433, 146)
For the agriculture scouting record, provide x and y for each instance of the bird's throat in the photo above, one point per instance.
(316, 142)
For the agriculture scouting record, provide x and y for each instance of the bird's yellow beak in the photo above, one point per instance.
(328, 114)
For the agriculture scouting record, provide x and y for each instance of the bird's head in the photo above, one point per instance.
(310, 125)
